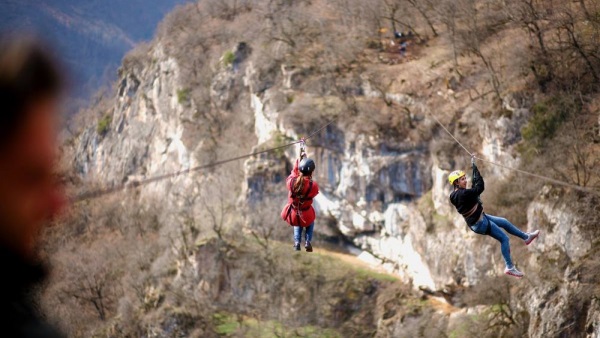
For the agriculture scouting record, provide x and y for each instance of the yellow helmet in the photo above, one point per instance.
(455, 175)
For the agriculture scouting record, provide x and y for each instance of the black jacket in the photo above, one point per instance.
(465, 199)
(19, 316)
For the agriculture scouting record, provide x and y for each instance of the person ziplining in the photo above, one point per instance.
(299, 212)
(468, 203)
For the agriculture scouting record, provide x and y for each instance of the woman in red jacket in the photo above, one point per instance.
(299, 212)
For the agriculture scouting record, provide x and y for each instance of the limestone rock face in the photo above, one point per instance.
(146, 129)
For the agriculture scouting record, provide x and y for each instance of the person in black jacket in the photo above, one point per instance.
(468, 204)
(29, 194)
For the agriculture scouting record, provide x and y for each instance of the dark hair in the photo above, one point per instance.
(27, 74)
(299, 184)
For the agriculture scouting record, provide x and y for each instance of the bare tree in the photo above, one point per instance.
(531, 15)
(397, 13)
(217, 214)
(449, 16)
(90, 280)
(288, 24)
(423, 7)
(568, 26)
(383, 89)
(262, 235)
(228, 9)
(92, 290)
(391, 9)
(472, 38)
(582, 168)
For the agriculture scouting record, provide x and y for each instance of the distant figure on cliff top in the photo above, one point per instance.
(299, 212)
(403, 46)
(468, 204)
(30, 87)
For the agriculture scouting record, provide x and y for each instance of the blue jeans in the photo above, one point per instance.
(308, 235)
(491, 225)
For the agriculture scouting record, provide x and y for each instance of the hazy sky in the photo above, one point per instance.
(92, 36)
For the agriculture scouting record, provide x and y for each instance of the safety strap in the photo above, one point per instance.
(478, 197)
(301, 200)
(310, 184)
(470, 212)
(488, 231)
(289, 212)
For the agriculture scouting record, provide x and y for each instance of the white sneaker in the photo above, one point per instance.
(513, 272)
(531, 236)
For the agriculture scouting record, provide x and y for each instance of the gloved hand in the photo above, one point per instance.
(302, 149)
(473, 159)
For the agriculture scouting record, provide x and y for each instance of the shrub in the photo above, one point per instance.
(104, 125)
(225, 324)
(228, 58)
(547, 117)
(183, 95)
(137, 58)
(543, 124)
(280, 140)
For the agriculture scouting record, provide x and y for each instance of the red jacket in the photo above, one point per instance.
(299, 211)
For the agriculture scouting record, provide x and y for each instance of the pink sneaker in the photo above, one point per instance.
(513, 272)
(531, 236)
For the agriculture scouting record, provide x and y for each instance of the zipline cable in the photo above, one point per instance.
(555, 181)
(449, 133)
(321, 129)
(552, 180)
(135, 184)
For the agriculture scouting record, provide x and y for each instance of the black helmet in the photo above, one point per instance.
(306, 166)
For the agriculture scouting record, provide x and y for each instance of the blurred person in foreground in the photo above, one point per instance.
(30, 88)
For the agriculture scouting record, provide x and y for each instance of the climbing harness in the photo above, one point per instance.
(298, 202)
(470, 212)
